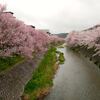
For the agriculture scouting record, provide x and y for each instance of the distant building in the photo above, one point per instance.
(91, 28)
(9, 12)
(32, 26)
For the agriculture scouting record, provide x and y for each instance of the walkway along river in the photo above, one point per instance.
(76, 79)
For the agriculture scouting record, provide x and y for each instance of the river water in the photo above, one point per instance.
(76, 79)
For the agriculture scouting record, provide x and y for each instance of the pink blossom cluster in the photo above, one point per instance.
(18, 38)
(55, 39)
(89, 38)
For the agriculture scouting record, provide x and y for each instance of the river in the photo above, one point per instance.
(76, 79)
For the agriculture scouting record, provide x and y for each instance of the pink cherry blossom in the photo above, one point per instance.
(89, 37)
(18, 38)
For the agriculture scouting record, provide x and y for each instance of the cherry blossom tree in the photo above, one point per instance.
(18, 38)
(89, 38)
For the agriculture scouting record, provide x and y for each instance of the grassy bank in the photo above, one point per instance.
(8, 62)
(60, 58)
(41, 81)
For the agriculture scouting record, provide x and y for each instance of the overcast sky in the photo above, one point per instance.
(56, 15)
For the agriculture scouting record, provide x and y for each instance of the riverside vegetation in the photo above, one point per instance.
(42, 79)
(18, 42)
(7, 62)
(86, 42)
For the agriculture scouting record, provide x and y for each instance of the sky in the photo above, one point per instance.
(56, 15)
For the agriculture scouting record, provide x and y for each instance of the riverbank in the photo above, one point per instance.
(42, 79)
(88, 53)
(13, 81)
(8, 62)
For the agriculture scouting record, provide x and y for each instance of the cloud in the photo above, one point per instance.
(57, 15)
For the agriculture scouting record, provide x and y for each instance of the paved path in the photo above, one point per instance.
(12, 82)
(77, 79)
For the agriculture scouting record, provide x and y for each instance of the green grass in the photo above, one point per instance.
(61, 58)
(42, 77)
(8, 62)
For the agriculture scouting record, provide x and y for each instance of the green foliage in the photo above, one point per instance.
(61, 58)
(42, 77)
(8, 62)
